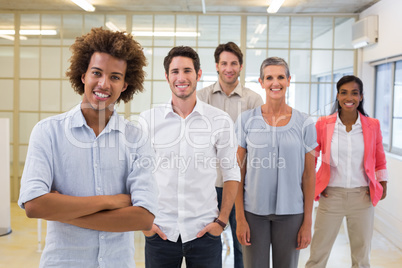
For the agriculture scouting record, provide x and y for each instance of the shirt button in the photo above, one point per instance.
(102, 237)
(95, 165)
(98, 188)
(100, 259)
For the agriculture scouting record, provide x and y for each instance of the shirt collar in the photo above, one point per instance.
(198, 108)
(238, 89)
(339, 121)
(116, 122)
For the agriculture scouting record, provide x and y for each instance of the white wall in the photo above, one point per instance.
(388, 212)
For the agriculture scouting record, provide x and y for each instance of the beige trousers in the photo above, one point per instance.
(356, 206)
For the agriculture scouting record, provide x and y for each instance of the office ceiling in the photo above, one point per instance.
(211, 6)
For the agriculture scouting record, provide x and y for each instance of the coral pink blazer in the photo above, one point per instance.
(374, 156)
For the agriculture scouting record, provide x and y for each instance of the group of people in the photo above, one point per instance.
(205, 160)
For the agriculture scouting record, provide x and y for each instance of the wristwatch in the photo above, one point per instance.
(221, 223)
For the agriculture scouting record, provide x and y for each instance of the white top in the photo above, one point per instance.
(188, 152)
(347, 156)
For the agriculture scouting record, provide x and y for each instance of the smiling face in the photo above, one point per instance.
(182, 77)
(349, 97)
(228, 68)
(275, 81)
(104, 82)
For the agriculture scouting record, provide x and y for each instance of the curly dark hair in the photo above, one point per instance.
(182, 51)
(228, 47)
(116, 44)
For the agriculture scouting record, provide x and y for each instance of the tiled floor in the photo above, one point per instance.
(19, 249)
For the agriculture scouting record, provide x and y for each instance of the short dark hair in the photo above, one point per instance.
(344, 80)
(116, 44)
(228, 47)
(182, 51)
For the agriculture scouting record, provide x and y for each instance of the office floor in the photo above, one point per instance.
(19, 249)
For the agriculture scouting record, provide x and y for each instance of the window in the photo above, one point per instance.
(387, 110)
(317, 49)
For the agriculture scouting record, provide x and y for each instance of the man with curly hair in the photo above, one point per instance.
(86, 170)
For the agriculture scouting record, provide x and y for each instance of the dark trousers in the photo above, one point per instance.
(280, 231)
(204, 252)
(238, 255)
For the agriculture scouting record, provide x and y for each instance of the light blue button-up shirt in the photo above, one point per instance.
(65, 155)
(275, 162)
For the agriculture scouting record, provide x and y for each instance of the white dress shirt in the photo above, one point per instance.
(187, 154)
(347, 156)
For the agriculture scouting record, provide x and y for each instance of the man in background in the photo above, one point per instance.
(232, 97)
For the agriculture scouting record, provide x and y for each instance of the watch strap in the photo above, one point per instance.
(221, 223)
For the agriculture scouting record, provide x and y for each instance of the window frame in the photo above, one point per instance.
(389, 146)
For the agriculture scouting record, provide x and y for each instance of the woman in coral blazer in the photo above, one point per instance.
(352, 177)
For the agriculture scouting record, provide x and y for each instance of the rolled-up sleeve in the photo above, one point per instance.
(226, 146)
(37, 175)
(141, 182)
(380, 160)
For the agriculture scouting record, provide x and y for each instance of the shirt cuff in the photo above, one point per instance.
(381, 175)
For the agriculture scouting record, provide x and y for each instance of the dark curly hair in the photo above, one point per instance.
(116, 44)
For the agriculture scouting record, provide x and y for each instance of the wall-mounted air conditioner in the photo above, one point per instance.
(365, 32)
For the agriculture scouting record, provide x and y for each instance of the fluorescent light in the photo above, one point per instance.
(254, 40)
(10, 37)
(85, 5)
(274, 6)
(29, 32)
(260, 28)
(112, 26)
(38, 32)
(203, 7)
(167, 34)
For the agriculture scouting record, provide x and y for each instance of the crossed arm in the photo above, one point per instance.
(110, 213)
